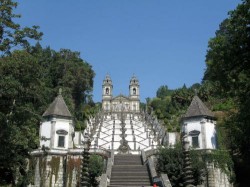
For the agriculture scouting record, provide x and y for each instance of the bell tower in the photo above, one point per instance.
(134, 94)
(107, 93)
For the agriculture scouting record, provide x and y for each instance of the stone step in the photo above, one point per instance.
(128, 185)
(127, 156)
(129, 166)
(133, 183)
(129, 178)
(127, 163)
(128, 159)
(131, 173)
(127, 170)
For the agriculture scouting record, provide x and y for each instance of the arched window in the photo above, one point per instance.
(134, 91)
(107, 90)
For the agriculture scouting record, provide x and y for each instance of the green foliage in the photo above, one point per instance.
(95, 168)
(29, 82)
(54, 164)
(163, 91)
(11, 33)
(221, 158)
(224, 105)
(228, 67)
(169, 105)
(171, 161)
(73, 164)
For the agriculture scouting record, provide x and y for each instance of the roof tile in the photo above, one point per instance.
(58, 108)
(197, 108)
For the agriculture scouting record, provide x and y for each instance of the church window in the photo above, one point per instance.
(107, 91)
(134, 91)
(61, 141)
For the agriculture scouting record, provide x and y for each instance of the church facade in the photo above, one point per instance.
(120, 103)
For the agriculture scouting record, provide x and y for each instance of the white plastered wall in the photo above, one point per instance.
(207, 136)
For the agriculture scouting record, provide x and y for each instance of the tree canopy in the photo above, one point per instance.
(11, 33)
(30, 81)
(228, 67)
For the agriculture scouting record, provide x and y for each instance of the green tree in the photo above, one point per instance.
(171, 161)
(163, 91)
(29, 82)
(11, 33)
(22, 95)
(95, 168)
(228, 67)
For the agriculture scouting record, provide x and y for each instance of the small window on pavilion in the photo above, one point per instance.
(195, 141)
(61, 141)
(195, 138)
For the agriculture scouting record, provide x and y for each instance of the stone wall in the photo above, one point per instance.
(56, 170)
(216, 177)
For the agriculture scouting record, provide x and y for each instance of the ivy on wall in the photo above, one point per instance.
(73, 164)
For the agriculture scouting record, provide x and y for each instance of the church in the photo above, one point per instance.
(125, 136)
(111, 104)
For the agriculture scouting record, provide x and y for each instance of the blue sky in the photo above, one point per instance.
(162, 42)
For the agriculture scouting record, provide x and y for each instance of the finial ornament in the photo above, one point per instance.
(60, 91)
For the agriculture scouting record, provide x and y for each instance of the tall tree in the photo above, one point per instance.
(11, 33)
(163, 91)
(22, 96)
(228, 66)
(29, 82)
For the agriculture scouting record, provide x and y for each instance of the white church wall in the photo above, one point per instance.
(210, 135)
(62, 125)
(78, 138)
(45, 132)
(194, 124)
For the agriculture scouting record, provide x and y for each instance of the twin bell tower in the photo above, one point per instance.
(121, 103)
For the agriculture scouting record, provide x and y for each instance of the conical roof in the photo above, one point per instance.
(198, 108)
(58, 108)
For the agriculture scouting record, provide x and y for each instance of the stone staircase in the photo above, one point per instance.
(129, 171)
